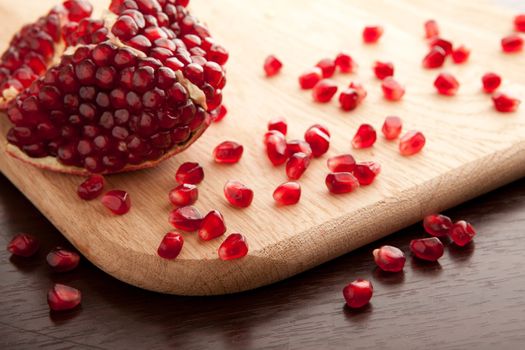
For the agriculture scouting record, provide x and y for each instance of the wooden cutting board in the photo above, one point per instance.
(471, 148)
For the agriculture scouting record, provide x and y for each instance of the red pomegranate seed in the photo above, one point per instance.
(276, 148)
(392, 127)
(519, 23)
(349, 99)
(446, 84)
(228, 152)
(298, 146)
(117, 201)
(345, 63)
(278, 124)
(272, 66)
(170, 246)
(462, 233)
(364, 137)
(505, 103)
(213, 226)
(342, 182)
(310, 78)
(460, 54)
(287, 193)
(184, 195)
(512, 43)
(431, 29)
(219, 113)
(437, 225)
(392, 90)
(383, 69)
(233, 247)
(366, 172)
(371, 34)
(358, 293)
(434, 58)
(389, 258)
(442, 43)
(411, 143)
(23, 244)
(490, 81)
(324, 90)
(318, 140)
(297, 165)
(62, 260)
(361, 92)
(322, 128)
(62, 297)
(344, 163)
(186, 218)
(189, 173)
(238, 194)
(91, 188)
(430, 249)
(327, 66)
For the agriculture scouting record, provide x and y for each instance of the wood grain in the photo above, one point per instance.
(471, 149)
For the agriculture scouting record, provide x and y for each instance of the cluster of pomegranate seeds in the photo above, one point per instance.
(431, 29)
(392, 127)
(238, 194)
(462, 233)
(212, 226)
(411, 143)
(272, 66)
(117, 201)
(429, 249)
(372, 34)
(519, 23)
(392, 89)
(184, 195)
(344, 163)
(61, 297)
(512, 43)
(446, 84)
(186, 218)
(23, 244)
(345, 63)
(341, 182)
(389, 258)
(91, 188)
(189, 173)
(324, 90)
(233, 247)
(505, 103)
(62, 260)
(278, 124)
(297, 165)
(437, 225)
(358, 293)
(460, 54)
(171, 245)
(383, 69)
(228, 152)
(310, 78)
(287, 193)
(365, 137)
(491, 82)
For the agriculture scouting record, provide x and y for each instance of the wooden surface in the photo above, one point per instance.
(471, 149)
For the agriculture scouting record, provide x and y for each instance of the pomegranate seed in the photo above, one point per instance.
(238, 194)
(342, 182)
(189, 173)
(288, 193)
(358, 293)
(392, 127)
(318, 140)
(411, 143)
(430, 249)
(170, 246)
(184, 195)
(364, 137)
(186, 218)
(220, 113)
(62, 297)
(272, 66)
(324, 90)
(383, 69)
(389, 258)
(233, 247)
(276, 148)
(392, 90)
(322, 128)
(490, 81)
(442, 43)
(512, 43)
(213, 226)
(117, 201)
(519, 23)
(23, 244)
(297, 165)
(228, 152)
(298, 146)
(327, 66)
(91, 188)
(460, 54)
(431, 29)
(505, 103)
(349, 99)
(366, 172)
(462, 233)
(62, 260)
(437, 225)
(310, 78)
(446, 84)
(361, 92)
(345, 63)
(344, 163)
(434, 58)
(371, 34)
(278, 124)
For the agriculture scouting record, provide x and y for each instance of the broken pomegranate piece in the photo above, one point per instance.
(272, 66)
(117, 201)
(287, 193)
(170, 246)
(462, 233)
(505, 103)
(62, 260)
(61, 297)
(358, 293)
(491, 82)
(238, 194)
(429, 249)
(233, 247)
(437, 225)
(228, 152)
(212, 226)
(186, 218)
(91, 188)
(23, 244)
(389, 258)
(184, 195)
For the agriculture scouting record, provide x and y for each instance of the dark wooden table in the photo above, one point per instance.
(473, 299)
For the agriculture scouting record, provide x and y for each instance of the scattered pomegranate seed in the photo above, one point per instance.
(392, 90)
(238, 194)
(61, 297)
(91, 188)
(344, 163)
(297, 165)
(460, 54)
(358, 293)
(278, 124)
(437, 225)
(322, 128)
(233, 247)
(383, 69)
(310, 78)
(389, 258)
(392, 127)
(431, 29)
(276, 148)
(411, 143)
(318, 140)
(512, 43)
(491, 82)
(228, 152)
(430, 249)
(434, 58)
(462, 233)
(349, 99)
(298, 146)
(360, 90)
(345, 63)
(519, 23)
(442, 43)
(446, 84)
(343, 182)
(371, 34)
(366, 172)
(287, 193)
(327, 66)
(117, 201)
(219, 113)
(213, 226)
(184, 195)
(186, 218)
(505, 103)
(171, 245)
(324, 90)
(189, 173)
(272, 66)
(364, 137)
(23, 244)
(62, 260)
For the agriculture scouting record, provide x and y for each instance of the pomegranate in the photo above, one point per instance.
(184, 195)
(91, 188)
(327, 66)
(278, 124)
(366, 172)
(238, 194)
(460, 54)
(437, 225)
(342, 163)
